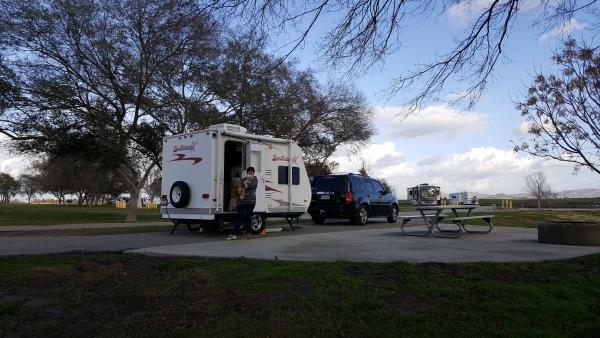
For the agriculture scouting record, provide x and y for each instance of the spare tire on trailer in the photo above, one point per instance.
(179, 194)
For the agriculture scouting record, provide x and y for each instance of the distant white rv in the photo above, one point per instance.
(464, 197)
(201, 172)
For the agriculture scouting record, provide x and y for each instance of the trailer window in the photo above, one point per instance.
(282, 175)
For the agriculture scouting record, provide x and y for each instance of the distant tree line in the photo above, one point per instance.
(96, 85)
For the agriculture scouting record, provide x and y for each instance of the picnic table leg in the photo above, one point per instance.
(416, 233)
(428, 222)
(437, 226)
(488, 230)
(439, 231)
(464, 222)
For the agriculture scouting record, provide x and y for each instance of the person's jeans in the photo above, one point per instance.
(244, 214)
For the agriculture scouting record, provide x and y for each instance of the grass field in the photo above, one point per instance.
(549, 203)
(530, 219)
(126, 295)
(89, 231)
(22, 214)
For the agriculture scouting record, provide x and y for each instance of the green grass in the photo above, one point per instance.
(549, 203)
(530, 219)
(20, 214)
(88, 232)
(128, 295)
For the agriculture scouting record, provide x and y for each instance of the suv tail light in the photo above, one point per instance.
(349, 196)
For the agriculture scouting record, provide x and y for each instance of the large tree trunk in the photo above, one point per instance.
(134, 195)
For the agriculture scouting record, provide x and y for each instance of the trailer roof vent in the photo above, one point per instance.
(228, 127)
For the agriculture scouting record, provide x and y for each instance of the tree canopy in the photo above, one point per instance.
(105, 81)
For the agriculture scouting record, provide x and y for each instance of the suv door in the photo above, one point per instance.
(382, 200)
(359, 192)
(373, 197)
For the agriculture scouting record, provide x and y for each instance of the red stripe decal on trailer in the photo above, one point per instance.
(267, 188)
(181, 157)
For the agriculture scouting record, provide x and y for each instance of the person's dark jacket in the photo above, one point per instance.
(250, 193)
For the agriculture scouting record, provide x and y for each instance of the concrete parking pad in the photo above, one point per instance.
(383, 245)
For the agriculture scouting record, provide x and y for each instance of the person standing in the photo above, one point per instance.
(247, 202)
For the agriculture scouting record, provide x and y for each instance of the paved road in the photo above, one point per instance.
(16, 245)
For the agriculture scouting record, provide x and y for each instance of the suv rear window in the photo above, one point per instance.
(329, 183)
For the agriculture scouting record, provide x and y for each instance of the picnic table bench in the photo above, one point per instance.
(432, 221)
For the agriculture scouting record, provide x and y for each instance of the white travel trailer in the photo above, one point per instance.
(201, 172)
(464, 197)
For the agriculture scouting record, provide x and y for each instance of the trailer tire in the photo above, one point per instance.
(257, 224)
(179, 194)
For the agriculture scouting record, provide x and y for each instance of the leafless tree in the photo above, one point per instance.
(364, 32)
(538, 187)
(563, 111)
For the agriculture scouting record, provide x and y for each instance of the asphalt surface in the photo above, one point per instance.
(378, 241)
(503, 244)
(24, 245)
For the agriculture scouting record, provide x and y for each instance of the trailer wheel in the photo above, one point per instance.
(179, 194)
(257, 224)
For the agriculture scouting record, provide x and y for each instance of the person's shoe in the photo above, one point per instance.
(231, 237)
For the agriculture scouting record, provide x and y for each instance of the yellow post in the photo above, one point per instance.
(510, 204)
(502, 204)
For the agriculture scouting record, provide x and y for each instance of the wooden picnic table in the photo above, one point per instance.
(432, 215)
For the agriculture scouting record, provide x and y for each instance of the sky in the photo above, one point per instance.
(456, 149)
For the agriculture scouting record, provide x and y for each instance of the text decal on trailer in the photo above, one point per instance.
(285, 158)
(181, 157)
(191, 147)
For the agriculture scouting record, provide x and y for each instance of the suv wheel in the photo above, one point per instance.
(393, 217)
(361, 216)
(318, 219)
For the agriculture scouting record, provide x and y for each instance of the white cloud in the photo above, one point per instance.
(481, 169)
(522, 129)
(439, 120)
(11, 163)
(462, 12)
(564, 28)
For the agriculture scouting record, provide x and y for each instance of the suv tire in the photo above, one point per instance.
(318, 219)
(361, 216)
(393, 217)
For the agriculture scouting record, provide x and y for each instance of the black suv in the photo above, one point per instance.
(351, 196)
